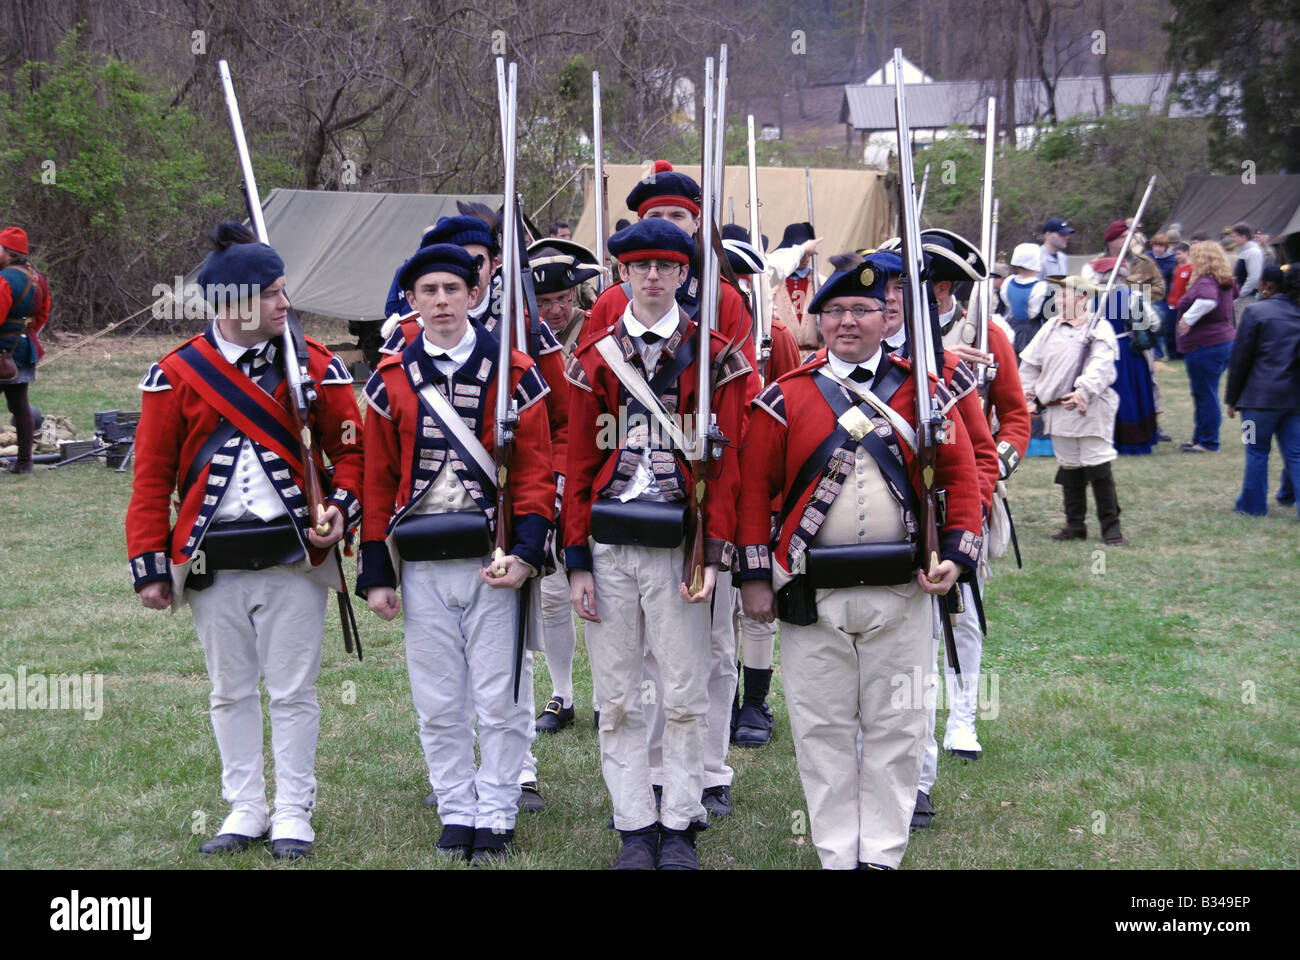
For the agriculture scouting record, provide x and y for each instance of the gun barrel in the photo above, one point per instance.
(762, 330)
(814, 278)
(719, 138)
(245, 160)
(1128, 239)
(986, 234)
(598, 175)
(506, 92)
(708, 267)
(913, 262)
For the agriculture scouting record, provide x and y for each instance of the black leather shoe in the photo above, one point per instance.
(530, 798)
(677, 848)
(754, 728)
(717, 801)
(228, 843)
(555, 716)
(23, 466)
(640, 850)
(455, 842)
(923, 814)
(874, 866)
(490, 846)
(287, 848)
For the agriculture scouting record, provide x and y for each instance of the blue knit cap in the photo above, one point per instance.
(460, 231)
(240, 265)
(438, 258)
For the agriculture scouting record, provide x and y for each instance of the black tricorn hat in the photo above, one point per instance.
(795, 234)
(560, 264)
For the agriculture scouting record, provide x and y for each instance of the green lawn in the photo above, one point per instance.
(1146, 711)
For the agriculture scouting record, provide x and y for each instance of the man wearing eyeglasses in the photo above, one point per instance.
(834, 441)
(671, 197)
(623, 519)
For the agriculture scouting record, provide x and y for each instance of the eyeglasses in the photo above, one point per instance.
(665, 268)
(858, 312)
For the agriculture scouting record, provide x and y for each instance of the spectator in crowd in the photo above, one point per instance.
(1078, 408)
(560, 230)
(1182, 273)
(24, 309)
(1264, 241)
(1166, 262)
(1249, 268)
(1024, 296)
(1264, 385)
(1056, 237)
(1137, 428)
(1270, 282)
(1205, 335)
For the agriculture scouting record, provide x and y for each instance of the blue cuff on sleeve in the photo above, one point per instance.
(348, 505)
(374, 567)
(530, 539)
(961, 547)
(150, 567)
(754, 562)
(577, 558)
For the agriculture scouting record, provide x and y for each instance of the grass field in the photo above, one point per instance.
(1146, 709)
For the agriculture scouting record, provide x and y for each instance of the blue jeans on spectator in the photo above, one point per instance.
(1283, 424)
(1204, 370)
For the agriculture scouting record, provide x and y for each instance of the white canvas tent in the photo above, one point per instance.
(851, 208)
(341, 248)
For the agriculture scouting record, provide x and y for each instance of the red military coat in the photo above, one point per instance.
(596, 397)
(178, 414)
(785, 352)
(790, 420)
(735, 322)
(1007, 399)
(403, 459)
(550, 363)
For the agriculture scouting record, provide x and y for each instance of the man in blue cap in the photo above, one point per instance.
(479, 240)
(559, 267)
(431, 501)
(670, 196)
(633, 382)
(835, 441)
(214, 427)
(1056, 237)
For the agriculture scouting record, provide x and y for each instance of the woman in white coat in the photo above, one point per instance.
(1078, 405)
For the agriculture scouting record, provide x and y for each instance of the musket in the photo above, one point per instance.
(920, 197)
(814, 280)
(598, 177)
(301, 394)
(507, 408)
(719, 140)
(984, 375)
(708, 439)
(931, 428)
(1103, 303)
(762, 322)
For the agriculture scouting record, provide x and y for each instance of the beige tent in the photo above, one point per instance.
(851, 208)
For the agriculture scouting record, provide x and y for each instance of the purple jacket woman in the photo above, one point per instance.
(1205, 335)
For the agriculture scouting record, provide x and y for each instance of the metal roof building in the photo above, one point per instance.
(931, 107)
